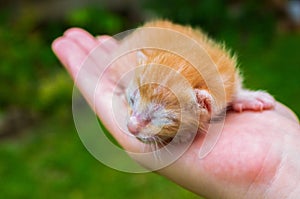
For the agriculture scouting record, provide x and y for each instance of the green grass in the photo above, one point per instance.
(49, 161)
(274, 67)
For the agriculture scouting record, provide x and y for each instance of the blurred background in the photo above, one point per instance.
(41, 155)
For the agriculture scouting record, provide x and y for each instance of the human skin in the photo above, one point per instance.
(256, 156)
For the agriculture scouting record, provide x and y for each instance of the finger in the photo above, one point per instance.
(102, 38)
(79, 62)
(84, 39)
(102, 54)
(69, 53)
(108, 43)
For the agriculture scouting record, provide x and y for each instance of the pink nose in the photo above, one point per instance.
(136, 123)
(133, 125)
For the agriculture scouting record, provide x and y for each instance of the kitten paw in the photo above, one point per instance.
(253, 100)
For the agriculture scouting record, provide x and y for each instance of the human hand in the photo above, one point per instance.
(256, 156)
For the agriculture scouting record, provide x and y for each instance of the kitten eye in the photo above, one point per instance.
(131, 100)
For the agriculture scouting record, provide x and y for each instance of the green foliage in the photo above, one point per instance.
(274, 68)
(54, 92)
(96, 19)
(51, 162)
(217, 17)
(26, 60)
(29, 69)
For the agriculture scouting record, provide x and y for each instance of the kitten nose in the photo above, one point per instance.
(133, 125)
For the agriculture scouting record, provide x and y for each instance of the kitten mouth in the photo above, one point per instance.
(154, 139)
(147, 139)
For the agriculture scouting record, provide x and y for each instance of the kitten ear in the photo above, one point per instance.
(141, 57)
(204, 99)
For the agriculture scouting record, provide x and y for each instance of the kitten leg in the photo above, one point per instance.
(252, 100)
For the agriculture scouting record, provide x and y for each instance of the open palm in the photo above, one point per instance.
(249, 159)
